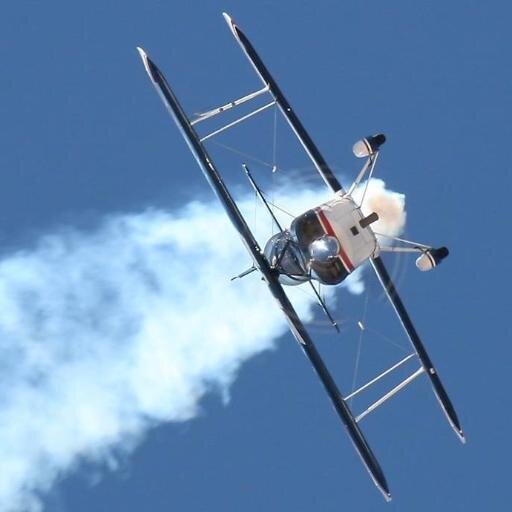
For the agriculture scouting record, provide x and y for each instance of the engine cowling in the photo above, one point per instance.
(431, 258)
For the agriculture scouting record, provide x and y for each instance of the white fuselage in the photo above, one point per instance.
(341, 217)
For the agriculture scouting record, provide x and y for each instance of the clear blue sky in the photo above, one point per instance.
(83, 135)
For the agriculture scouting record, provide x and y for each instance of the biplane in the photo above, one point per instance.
(324, 245)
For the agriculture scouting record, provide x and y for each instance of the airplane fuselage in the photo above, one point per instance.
(325, 243)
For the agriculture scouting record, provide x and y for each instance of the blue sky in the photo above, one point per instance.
(84, 136)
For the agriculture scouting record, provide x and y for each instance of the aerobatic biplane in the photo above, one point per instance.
(325, 244)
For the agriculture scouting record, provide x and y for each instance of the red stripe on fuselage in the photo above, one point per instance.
(328, 229)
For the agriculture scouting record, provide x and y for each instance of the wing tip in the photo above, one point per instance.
(231, 24)
(147, 62)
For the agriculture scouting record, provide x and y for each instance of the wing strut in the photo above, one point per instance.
(416, 342)
(299, 130)
(331, 180)
(260, 262)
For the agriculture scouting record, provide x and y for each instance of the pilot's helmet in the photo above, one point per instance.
(324, 249)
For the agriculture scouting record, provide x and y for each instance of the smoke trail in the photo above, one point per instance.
(104, 334)
(389, 205)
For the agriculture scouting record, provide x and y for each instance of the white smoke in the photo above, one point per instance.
(104, 334)
(389, 205)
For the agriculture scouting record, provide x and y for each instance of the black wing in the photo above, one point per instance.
(296, 326)
(335, 186)
(416, 342)
(301, 133)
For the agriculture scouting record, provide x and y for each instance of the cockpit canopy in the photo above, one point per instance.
(305, 252)
(319, 249)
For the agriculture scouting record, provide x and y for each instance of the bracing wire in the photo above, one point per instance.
(272, 165)
(274, 148)
(255, 207)
(359, 345)
(387, 339)
(242, 153)
(286, 212)
(274, 156)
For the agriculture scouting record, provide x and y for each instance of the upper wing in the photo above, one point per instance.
(201, 156)
(334, 184)
(296, 326)
(301, 133)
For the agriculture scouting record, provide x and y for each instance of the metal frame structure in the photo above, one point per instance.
(269, 274)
